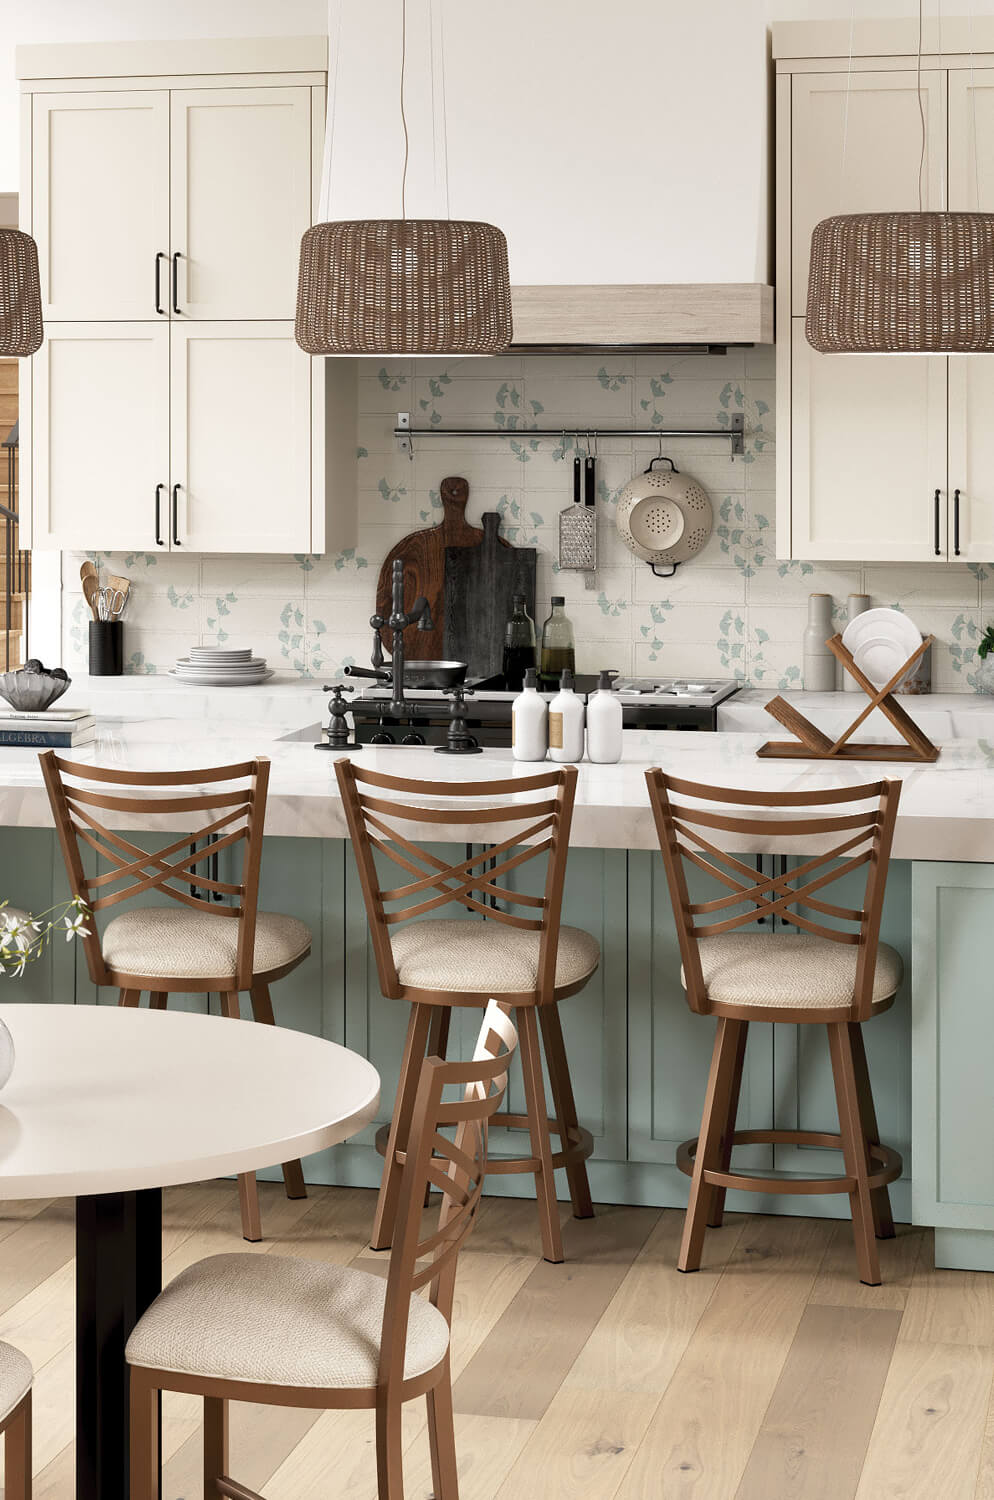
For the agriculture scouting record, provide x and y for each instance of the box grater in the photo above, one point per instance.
(578, 522)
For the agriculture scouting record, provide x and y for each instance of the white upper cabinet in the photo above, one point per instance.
(240, 199)
(100, 214)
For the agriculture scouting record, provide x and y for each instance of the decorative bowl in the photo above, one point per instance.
(33, 691)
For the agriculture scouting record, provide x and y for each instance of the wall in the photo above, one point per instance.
(734, 610)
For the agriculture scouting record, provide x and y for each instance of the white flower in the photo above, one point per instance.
(75, 928)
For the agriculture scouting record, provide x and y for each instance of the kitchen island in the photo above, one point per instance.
(638, 1057)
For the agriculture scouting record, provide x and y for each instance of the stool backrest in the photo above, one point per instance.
(518, 820)
(455, 1167)
(851, 827)
(232, 800)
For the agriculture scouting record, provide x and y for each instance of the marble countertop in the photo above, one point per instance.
(943, 716)
(947, 809)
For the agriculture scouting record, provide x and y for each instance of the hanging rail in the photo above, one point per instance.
(405, 433)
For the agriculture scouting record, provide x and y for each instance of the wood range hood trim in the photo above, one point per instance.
(684, 316)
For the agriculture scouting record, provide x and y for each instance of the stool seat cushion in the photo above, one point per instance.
(279, 1320)
(792, 970)
(16, 1376)
(488, 957)
(175, 942)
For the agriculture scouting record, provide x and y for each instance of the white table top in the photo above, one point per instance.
(106, 1100)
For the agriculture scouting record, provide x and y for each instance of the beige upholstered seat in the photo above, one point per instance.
(486, 956)
(790, 970)
(176, 942)
(16, 1376)
(279, 1320)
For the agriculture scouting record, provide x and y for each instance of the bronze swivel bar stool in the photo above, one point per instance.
(837, 976)
(191, 945)
(528, 962)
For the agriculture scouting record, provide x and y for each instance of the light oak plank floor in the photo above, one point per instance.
(769, 1375)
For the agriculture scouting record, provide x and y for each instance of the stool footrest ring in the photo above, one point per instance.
(888, 1161)
(579, 1144)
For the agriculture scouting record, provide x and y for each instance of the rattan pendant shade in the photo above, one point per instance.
(902, 283)
(21, 331)
(403, 286)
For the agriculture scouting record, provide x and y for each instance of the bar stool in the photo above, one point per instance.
(197, 947)
(529, 963)
(836, 976)
(16, 1378)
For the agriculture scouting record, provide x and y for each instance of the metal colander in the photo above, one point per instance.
(665, 518)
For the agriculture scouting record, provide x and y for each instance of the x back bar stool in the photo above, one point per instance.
(529, 962)
(197, 947)
(837, 976)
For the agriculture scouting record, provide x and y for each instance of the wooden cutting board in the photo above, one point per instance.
(423, 553)
(480, 584)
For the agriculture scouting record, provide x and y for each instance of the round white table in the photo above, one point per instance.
(109, 1106)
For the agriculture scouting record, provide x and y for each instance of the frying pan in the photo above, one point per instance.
(419, 674)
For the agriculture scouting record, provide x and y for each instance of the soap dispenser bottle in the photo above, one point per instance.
(566, 722)
(529, 721)
(604, 722)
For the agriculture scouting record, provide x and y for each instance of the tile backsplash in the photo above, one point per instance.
(734, 610)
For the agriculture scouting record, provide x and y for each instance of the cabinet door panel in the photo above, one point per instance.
(240, 437)
(100, 398)
(100, 178)
(971, 118)
(868, 452)
(241, 198)
(856, 146)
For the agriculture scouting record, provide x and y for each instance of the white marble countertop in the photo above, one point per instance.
(947, 809)
(943, 716)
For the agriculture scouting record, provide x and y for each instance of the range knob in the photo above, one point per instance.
(414, 739)
(382, 737)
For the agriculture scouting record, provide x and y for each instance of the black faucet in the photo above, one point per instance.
(419, 614)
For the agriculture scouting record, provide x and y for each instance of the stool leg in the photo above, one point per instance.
(215, 1443)
(17, 1452)
(248, 1188)
(442, 1440)
(854, 1152)
(709, 1142)
(538, 1130)
(129, 998)
(262, 1010)
(144, 1437)
(158, 999)
(883, 1220)
(565, 1107)
(717, 1213)
(400, 1125)
(438, 1046)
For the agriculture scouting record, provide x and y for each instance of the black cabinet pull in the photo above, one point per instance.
(938, 549)
(160, 256)
(175, 279)
(956, 523)
(158, 529)
(175, 517)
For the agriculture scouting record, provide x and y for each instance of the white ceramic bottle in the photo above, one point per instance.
(566, 722)
(819, 663)
(529, 721)
(604, 721)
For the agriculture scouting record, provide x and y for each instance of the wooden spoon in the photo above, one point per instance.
(91, 589)
(88, 570)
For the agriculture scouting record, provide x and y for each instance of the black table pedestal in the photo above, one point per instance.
(118, 1273)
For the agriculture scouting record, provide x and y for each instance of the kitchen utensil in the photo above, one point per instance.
(664, 518)
(123, 585)
(480, 585)
(418, 674)
(33, 691)
(89, 570)
(91, 591)
(578, 522)
(106, 648)
(819, 663)
(110, 603)
(423, 555)
(892, 623)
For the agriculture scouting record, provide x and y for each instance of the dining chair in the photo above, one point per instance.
(285, 1331)
(529, 962)
(16, 1377)
(199, 944)
(836, 975)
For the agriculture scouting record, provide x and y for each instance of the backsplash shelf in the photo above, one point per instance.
(735, 432)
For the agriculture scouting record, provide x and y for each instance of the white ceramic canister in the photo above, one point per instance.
(819, 663)
(529, 721)
(857, 605)
(604, 723)
(566, 723)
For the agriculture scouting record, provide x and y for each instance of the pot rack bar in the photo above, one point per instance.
(405, 433)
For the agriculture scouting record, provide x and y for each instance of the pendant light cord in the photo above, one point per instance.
(921, 105)
(403, 116)
(845, 111)
(335, 8)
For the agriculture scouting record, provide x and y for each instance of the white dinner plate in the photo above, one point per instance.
(221, 679)
(889, 623)
(879, 657)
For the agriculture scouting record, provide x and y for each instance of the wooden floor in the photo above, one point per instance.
(770, 1375)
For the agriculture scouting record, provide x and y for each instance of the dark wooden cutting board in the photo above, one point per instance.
(480, 584)
(424, 570)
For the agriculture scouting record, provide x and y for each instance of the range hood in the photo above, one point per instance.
(682, 317)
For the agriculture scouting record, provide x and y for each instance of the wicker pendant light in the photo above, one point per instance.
(902, 283)
(402, 286)
(21, 330)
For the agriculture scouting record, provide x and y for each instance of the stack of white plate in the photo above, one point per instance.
(881, 640)
(216, 666)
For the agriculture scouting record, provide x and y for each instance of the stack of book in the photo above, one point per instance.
(50, 729)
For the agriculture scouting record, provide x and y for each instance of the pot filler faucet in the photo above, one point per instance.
(419, 614)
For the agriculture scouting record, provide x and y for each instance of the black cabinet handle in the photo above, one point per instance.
(160, 256)
(175, 517)
(175, 279)
(956, 523)
(938, 549)
(158, 529)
